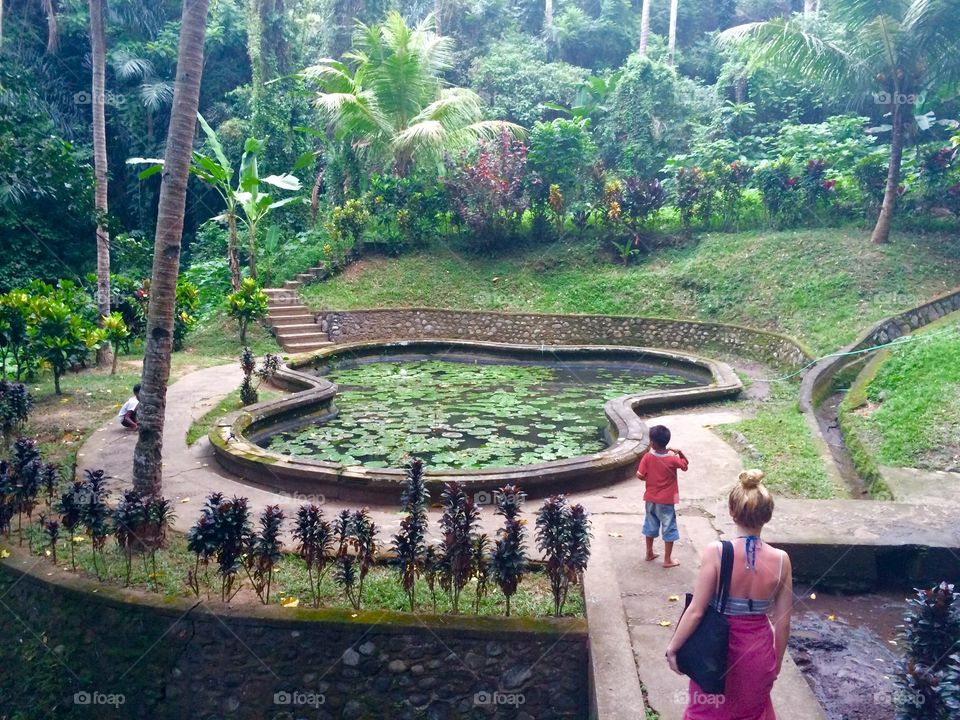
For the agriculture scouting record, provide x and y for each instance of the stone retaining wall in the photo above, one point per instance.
(178, 659)
(535, 329)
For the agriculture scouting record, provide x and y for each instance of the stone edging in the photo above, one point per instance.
(818, 382)
(526, 328)
(234, 438)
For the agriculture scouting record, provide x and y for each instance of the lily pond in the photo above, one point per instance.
(458, 415)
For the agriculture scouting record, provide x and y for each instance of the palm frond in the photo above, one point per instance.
(156, 95)
(128, 66)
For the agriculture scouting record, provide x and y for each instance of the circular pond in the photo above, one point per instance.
(550, 418)
(473, 411)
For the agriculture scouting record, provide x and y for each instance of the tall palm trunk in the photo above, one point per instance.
(881, 233)
(53, 33)
(645, 27)
(548, 15)
(674, 12)
(233, 260)
(147, 456)
(809, 7)
(255, 52)
(98, 51)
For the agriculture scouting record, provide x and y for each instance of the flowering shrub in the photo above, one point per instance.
(488, 194)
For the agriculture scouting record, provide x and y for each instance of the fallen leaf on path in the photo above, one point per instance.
(831, 617)
(673, 598)
(184, 500)
(666, 623)
(615, 535)
(290, 602)
(4, 554)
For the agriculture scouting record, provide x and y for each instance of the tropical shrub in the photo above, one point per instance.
(315, 538)
(364, 537)
(116, 332)
(264, 552)
(185, 311)
(410, 543)
(561, 152)
(8, 494)
(231, 535)
(27, 468)
(563, 536)
(246, 305)
(508, 563)
(14, 320)
(140, 526)
(690, 187)
(345, 569)
(596, 42)
(928, 683)
(15, 406)
(487, 193)
(202, 541)
(95, 512)
(458, 525)
(51, 528)
(248, 363)
(70, 509)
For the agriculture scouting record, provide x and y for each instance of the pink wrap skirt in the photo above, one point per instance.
(751, 672)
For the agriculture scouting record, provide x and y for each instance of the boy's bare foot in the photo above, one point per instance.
(652, 556)
(670, 563)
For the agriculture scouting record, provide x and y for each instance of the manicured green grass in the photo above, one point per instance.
(381, 590)
(779, 443)
(820, 286)
(913, 403)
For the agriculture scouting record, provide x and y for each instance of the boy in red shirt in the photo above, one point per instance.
(658, 469)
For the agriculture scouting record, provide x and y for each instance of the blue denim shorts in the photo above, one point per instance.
(663, 517)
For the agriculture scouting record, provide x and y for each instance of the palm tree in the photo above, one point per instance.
(892, 52)
(147, 456)
(98, 51)
(548, 15)
(674, 12)
(53, 33)
(645, 26)
(393, 106)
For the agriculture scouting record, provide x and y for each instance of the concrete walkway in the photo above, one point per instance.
(627, 598)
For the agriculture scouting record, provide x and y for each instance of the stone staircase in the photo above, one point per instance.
(290, 320)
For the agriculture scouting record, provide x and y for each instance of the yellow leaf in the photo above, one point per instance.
(290, 602)
(78, 539)
(4, 554)
(47, 553)
(185, 500)
(673, 598)
(813, 596)
(666, 623)
(831, 617)
(615, 535)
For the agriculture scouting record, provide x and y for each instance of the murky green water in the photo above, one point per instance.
(458, 415)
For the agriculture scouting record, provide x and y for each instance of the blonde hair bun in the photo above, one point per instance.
(750, 479)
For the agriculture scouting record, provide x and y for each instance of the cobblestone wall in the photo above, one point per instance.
(144, 657)
(534, 329)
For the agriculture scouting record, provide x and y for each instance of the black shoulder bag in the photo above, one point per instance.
(703, 657)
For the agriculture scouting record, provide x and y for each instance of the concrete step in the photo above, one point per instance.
(292, 308)
(301, 320)
(292, 285)
(294, 334)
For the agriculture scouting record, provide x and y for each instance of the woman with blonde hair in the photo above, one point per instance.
(758, 611)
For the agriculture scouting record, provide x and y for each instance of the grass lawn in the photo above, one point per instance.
(202, 426)
(777, 440)
(821, 286)
(907, 413)
(91, 397)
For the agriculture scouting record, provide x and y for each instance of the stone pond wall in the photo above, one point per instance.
(535, 329)
(177, 659)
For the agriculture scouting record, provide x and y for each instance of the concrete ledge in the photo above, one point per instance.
(235, 438)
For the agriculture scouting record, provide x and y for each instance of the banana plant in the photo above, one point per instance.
(244, 203)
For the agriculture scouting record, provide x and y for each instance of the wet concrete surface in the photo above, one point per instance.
(846, 646)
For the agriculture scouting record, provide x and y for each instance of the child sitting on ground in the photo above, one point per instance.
(128, 413)
(658, 469)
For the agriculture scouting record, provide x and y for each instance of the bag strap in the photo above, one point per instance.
(726, 573)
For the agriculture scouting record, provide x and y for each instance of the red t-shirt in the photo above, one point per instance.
(661, 474)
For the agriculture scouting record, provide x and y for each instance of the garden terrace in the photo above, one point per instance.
(237, 440)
